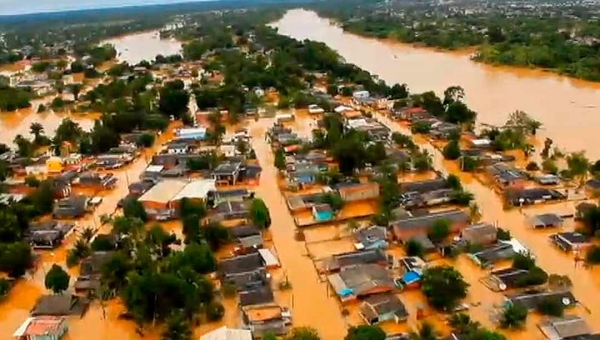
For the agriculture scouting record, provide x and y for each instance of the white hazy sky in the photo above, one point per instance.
(9, 7)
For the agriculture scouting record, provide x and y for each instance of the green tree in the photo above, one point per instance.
(215, 311)
(439, 231)
(303, 333)
(578, 166)
(452, 150)
(259, 214)
(443, 286)
(426, 332)
(177, 327)
(280, 159)
(134, 209)
(413, 248)
(215, 235)
(365, 332)
(173, 99)
(75, 89)
(334, 200)
(513, 316)
(15, 258)
(57, 279)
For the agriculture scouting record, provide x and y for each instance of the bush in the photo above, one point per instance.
(593, 255)
(452, 150)
(454, 182)
(32, 182)
(462, 197)
(413, 248)
(146, 140)
(215, 311)
(536, 276)
(532, 166)
(513, 316)
(503, 235)
(421, 127)
(525, 262)
(470, 164)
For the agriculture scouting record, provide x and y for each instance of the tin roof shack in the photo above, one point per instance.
(230, 195)
(546, 221)
(361, 281)
(353, 192)
(493, 254)
(266, 319)
(569, 327)
(249, 244)
(373, 237)
(89, 272)
(71, 207)
(256, 297)
(383, 307)
(443, 130)
(425, 186)
(571, 241)
(480, 233)
(42, 328)
(229, 211)
(519, 197)
(405, 229)
(227, 173)
(225, 333)
(95, 180)
(506, 176)
(339, 261)
(60, 305)
(48, 235)
(240, 264)
(248, 280)
(531, 300)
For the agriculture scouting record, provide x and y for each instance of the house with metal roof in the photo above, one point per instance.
(569, 327)
(531, 300)
(383, 307)
(361, 281)
(405, 229)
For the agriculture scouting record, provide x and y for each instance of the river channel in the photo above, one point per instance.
(568, 108)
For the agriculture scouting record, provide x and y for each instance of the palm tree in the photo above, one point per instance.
(426, 332)
(75, 89)
(36, 129)
(578, 166)
(87, 233)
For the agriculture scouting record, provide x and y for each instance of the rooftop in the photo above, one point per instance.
(225, 333)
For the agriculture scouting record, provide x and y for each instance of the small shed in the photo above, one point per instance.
(268, 258)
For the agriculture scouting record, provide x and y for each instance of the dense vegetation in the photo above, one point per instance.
(561, 37)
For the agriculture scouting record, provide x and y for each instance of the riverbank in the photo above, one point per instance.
(493, 92)
(489, 54)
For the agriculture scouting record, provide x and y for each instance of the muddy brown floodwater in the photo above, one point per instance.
(134, 48)
(569, 109)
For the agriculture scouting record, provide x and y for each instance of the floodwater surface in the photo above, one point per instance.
(568, 108)
(134, 48)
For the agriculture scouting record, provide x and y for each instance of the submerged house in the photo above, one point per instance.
(339, 261)
(257, 296)
(569, 327)
(225, 333)
(71, 207)
(374, 237)
(351, 192)
(507, 176)
(507, 278)
(261, 320)
(60, 305)
(571, 241)
(531, 300)
(42, 328)
(405, 229)
(361, 281)
(546, 221)
(227, 173)
(481, 233)
(240, 264)
(383, 307)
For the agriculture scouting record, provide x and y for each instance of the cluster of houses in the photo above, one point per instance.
(247, 273)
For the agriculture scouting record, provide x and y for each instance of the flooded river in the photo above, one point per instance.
(134, 48)
(569, 109)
